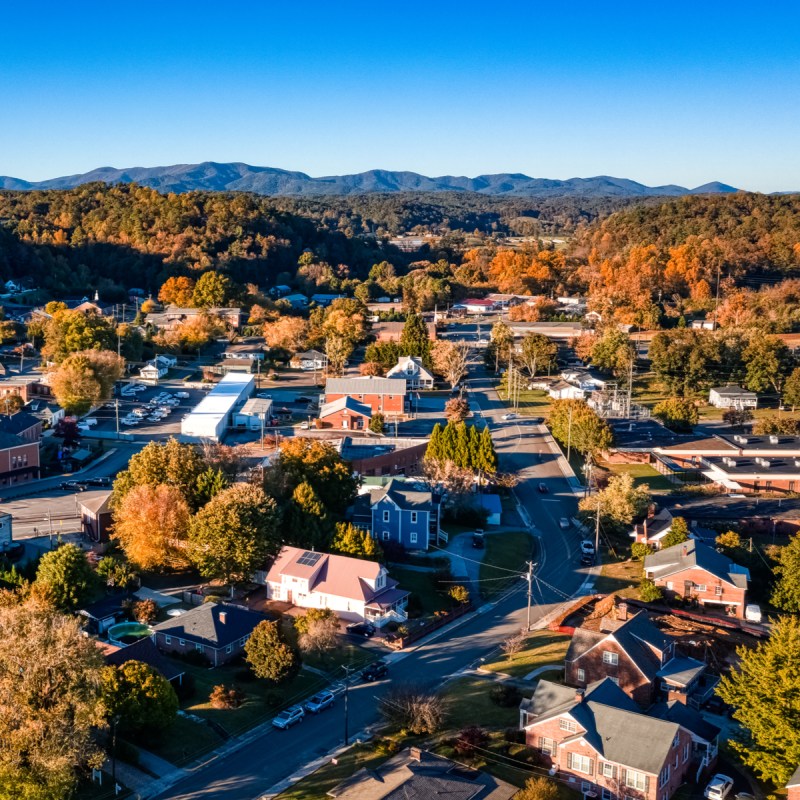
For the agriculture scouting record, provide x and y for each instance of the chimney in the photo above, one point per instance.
(622, 611)
(685, 551)
(579, 695)
(415, 753)
(223, 616)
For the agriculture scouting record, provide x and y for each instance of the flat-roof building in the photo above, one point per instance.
(213, 415)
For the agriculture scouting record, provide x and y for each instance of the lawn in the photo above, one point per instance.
(467, 701)
(262, 701)
(541, 648)
(641, 473)
(422, 585)
(532, 402)
(504, 552)
(348, 654)
(620, 576)
(184, 741)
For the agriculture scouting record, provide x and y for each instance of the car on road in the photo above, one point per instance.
(719, 787)
(304, 426)
(478, 540)
(320, 701)
(288, 717)
(264, 396)
(508, 416)
(376, 671)
(587, 547)
(304, 398)
(587, 560)
(563, 523)
(543, 488)
(182, 395)
(365, 629)
(536, 421)
(73, 486)
(104, 481)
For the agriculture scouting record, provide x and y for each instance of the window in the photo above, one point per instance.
(229, 648)
(413, 538)
(199, 648)
(181, 642)
(547, 746)
(610, 658)
(669, 585)
(676, 741)
(636, 780)
(413, 516)
(386, 536)
(663, 778)
(243, 640)
(567, 725)
(685, 752)
(607, 770)
(718, 591)
(701, 587)
(675, 765)
(167, 640)
(791, 486)
(579, 763)
(385, 516)
(608, 794)
(586, 787)
(581, 675)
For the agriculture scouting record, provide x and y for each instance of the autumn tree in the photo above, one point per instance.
(50, 703)
(537, 352)
(500, 343)
(286, 333)
(677, 413)
(791, 389)
(193, 333)
(763, 688)
(177, 291)
(450, 360)
(140, 697)
(683, 359)
(578, 426)
(786, 593)
(213, 289)
(620, 503)
(538, 789)
(70, 331)
(234, 534)
(456, 409)
(351, 541)
(377, 423)
(69, 578)
(320, 631)
(269, 655)
(411, 708)
(85, 379)
(678, 533)
(151, 524)
(337, 350)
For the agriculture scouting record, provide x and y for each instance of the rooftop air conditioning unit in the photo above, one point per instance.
(740, 439)
(774, 439)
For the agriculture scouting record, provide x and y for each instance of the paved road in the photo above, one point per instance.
(272, 757)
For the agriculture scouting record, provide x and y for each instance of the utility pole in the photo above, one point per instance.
(529, 578)
(597, 529)
(116, 412)
(346, 719)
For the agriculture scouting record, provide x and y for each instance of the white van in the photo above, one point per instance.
(752, 613)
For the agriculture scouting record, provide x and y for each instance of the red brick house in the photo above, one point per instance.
(345, 413)
(385, 396)
(793, 787)
(600, 743)
(216, 630)
(19, 460)
(693, 569)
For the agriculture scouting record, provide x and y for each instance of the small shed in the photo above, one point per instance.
(96, 520)
(491, 503)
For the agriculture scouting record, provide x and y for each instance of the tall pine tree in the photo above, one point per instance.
(449, 443)
(488, 456)
(434, 450)
(414, 340)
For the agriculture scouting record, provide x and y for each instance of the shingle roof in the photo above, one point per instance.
(8, 440)
(681, 670)
(613, 725)
(733, 391)
(407, 499)
(144, 650)
(17, 423)
(675, 711)
(204, 624)
(400, 369)
(346, 402)
(679, 557)
(369, 384)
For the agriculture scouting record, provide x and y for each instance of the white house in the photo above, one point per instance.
(254, 414)
(561, 390)
(157, 368)
(732, 397)
(310, 360)
(355, 589)
(410, 368)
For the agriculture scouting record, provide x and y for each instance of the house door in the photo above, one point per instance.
(688, 586)
(344, 424)
(289, 595)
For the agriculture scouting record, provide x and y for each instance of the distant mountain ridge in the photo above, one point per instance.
(238, 177)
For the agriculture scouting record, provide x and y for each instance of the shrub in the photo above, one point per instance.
(640, 550)
(413, 709)
(538, 789)
(505, 695)
(223, 697)
(649, 592)
(145, 611)
(470, 738)
(514, 736)
(459, 593)
(385, 746)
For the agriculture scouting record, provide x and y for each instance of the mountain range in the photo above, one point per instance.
(238, 177)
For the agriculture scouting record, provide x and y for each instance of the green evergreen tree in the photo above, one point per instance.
(449, 443)
(414, 340)
(474, 447)
(433, 452)
(786, 594)
(307, 522)
(270, 656)
(209, 484)
(678, 533)
(488, 455)
(763, 689)
(68, 575)
(462, 454)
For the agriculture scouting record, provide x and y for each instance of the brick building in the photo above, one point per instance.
(26, 426)
(693, 569)
(602, 745)
(345, 413)
(793, 787)
(385, 396)
(19, 460)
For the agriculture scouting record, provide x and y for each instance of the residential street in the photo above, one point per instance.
(251, 771)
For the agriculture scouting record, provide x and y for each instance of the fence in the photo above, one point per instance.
(400, 642)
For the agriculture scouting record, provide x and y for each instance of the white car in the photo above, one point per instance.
(587, 548)
(288, 717)
(719, 787)
(264, 396)
(509, 416)
(182, 395)
(563, 523)
(303, 426)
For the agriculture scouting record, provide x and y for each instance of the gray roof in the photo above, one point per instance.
(8, 440)
(367, 385)
(407, 499)
(733, 391)
(18, 423)
(686, 717)
(144, 650)
(342, 403)
(613, 725)
(795, 779)
(204, 625)
(679, 557)
(681, 670)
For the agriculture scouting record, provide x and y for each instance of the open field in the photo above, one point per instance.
(621, 577)
(641, 473)
(541, 648)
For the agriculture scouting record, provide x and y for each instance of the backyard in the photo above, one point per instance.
(541, 649)
(641, 474)
(621, 577)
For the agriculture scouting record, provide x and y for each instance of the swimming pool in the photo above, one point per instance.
(128, 632)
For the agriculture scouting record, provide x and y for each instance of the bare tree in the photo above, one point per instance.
(450, 360)
(513, 644)
(413, 709)
(320, 636)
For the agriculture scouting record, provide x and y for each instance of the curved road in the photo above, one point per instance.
(256, 767)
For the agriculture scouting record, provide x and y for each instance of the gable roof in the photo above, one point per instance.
(400, 369)
(18, 423)
(733, 391)
(345, 403)
(330, 574)
(206, 625)
(693, 553)
(144, 650)
(369, 384)
(795, 779)
(407, 499)
(688, 718)
(96, 502)
(681, 670)
(9, 440)
(613, 725)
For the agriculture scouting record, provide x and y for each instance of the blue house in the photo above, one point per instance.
(405, 515)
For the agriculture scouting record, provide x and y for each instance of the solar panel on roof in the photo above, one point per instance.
(308, 559)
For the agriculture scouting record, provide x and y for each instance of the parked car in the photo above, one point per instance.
(587, 560)
(563, 523)
(182, 395)
(73, 486)
(376, 671)
(587, 547)
(719, 787)
(320, 701)
(304, 426)
(478, 541)
(305, 399)
(13, 551)
(289, 717)
(104, 481)
(365, 629)
(508, 416)
(536, 421)
(543, 488)
(264, 396)
(752, 612)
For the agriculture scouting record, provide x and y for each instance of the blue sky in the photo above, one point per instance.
(659, 92)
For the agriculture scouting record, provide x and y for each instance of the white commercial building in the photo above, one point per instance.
(254, 415)
(214, 414)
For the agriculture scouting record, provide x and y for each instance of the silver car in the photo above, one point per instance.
(289, 717)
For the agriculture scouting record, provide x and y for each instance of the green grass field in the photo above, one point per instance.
(422, 585)
(532, 402)
(641, 473)
(541, 648)
(620, 576)
(504, 552)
